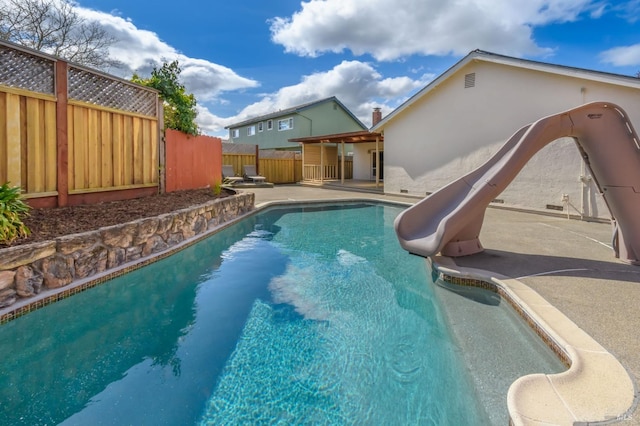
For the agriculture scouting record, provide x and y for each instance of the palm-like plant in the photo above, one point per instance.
(12, 209)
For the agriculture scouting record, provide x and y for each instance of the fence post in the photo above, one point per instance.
(62, 142)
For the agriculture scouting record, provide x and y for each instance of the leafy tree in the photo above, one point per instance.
(54, 27)
(179, 107)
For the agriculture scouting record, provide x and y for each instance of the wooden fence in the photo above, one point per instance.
(71, 135)
(276, 166)
(192, 161)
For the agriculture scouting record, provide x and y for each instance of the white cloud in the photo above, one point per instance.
(622, 56)
(391, 30)
(358, 85)
(140, 50)
(629, 10)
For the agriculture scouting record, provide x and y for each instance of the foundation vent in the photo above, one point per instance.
(554, 207)
(404, 191)
(498, 200)
(470, 80)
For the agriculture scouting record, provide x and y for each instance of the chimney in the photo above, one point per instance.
(376, 117)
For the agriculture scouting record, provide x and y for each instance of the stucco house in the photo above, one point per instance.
(273, 131)
(454, 124)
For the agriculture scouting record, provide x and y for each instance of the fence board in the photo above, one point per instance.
(147, 165)
(94, 148)
(34, 147)
(4, 157)
(107, 145)
(127, 158)
(154, 148)
(117, 122)
(79, 148)
(51, 149)
(14, 150)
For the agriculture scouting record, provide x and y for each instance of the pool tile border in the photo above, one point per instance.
(596, 388)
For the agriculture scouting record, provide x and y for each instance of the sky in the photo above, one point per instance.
(245, 58)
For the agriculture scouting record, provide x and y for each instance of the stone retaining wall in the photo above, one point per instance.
(28, 269)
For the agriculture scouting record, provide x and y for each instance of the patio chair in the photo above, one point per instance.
(251, 174)
(229, 176)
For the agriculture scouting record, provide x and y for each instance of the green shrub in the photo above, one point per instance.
(217, 189)
(12, 209)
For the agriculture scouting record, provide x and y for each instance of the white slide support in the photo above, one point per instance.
(449, 220)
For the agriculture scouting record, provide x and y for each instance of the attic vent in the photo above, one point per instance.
(470, 80)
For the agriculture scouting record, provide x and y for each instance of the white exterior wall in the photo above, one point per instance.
(363, 153)
(452, 130)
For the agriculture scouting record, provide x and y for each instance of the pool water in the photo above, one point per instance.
(294, 315)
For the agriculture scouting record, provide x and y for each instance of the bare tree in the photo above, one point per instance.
(54, 27)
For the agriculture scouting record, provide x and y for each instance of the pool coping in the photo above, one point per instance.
(595, 389)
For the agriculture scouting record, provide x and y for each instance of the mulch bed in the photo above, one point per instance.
(48, 224)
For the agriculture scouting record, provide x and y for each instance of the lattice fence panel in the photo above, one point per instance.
(26, 71)
(97, 89)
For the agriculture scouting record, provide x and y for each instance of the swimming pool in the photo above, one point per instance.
(295, 314)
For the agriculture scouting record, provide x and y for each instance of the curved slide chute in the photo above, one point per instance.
(449, 220)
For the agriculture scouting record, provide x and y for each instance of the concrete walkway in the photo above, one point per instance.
(568, 262)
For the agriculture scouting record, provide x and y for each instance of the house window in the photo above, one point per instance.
(235, 133)
(269, 124)
(260, 124)
(251, 130)
(470, 80)
(286, 124)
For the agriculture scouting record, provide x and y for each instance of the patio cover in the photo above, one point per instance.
(361, 136)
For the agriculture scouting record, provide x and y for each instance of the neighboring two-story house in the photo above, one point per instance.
(273, 131)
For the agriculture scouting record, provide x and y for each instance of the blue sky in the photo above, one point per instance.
(245, 58)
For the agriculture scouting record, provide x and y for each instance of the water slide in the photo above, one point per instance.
(449, 220)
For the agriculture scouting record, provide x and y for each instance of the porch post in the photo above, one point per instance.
(304, 177)
(377, 162)
(342, 163)
(321, 162)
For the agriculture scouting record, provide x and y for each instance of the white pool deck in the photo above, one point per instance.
(563, 273)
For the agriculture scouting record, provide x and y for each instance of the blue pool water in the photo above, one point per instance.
(294, 315)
